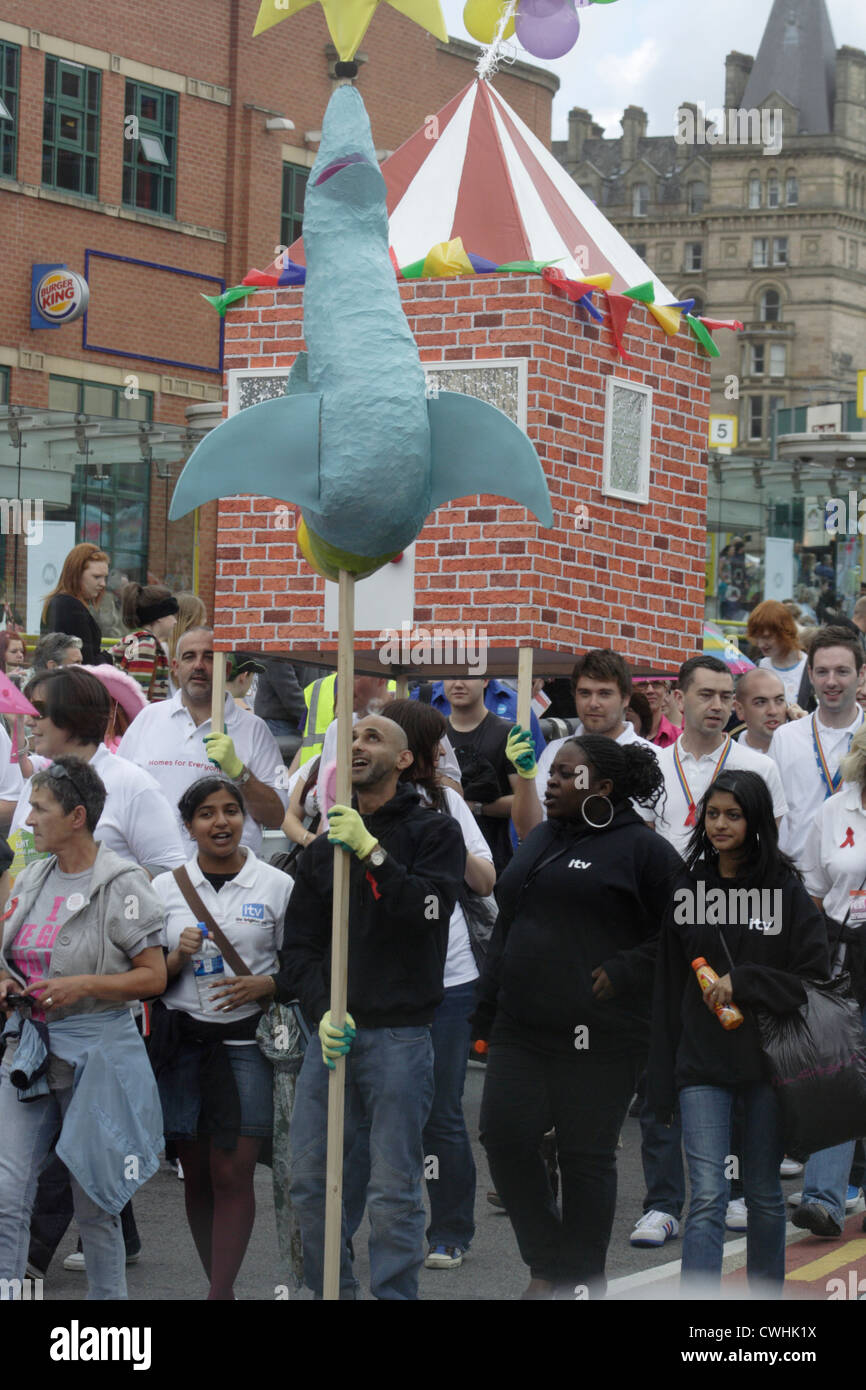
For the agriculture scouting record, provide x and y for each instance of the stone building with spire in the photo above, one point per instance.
(758, 211)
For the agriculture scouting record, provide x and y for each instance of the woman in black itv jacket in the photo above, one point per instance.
(565, 1004)
(740, 900)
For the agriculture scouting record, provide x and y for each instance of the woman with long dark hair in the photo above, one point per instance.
(71, 605)
(741, 906)
(564, 1002)
(215, 1086)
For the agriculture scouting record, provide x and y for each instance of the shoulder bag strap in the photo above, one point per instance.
(184, 883)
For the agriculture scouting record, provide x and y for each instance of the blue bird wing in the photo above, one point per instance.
(268, 450)
(476, 448)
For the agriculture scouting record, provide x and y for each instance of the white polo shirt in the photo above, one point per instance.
(548, 757)
(671, 813)
(165, 741)
(793, 752)
(250, 910)
(834, 855)
(136, 821)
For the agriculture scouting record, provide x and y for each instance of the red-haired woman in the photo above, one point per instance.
(12, 655)
(70, 606)
(773, 630)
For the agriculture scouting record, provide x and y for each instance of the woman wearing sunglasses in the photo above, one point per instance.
(564, 1003)
(72, 712)
(740, 905)
(82, 939)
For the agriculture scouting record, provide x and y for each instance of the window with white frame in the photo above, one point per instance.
(627, 432)
(778, 359)
(760, 252)
(773, 192)
(780, 250)
(754, 192)
(758, 362)
(792, 191)
(770, 306)
(756, 417)
(640, 200)
(697, 195)
(694, 255)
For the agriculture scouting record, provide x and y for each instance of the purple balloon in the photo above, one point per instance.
(547, 28)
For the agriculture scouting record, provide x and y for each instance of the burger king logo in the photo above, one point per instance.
(61, 296)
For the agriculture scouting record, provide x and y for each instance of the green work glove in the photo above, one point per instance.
(221, 751)
(335, 1041)
(520, 752)
(347, 829)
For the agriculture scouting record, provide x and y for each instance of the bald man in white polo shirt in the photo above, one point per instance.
(168, 740)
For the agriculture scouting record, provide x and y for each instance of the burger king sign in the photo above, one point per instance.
(59, 296)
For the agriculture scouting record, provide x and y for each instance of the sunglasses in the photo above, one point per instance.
(56, 773)
(40, 707)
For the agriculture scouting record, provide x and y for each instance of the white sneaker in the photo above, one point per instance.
(795, 1199)
(179, 1170)
(790, 1168)
(75, 1261)
(736, 1217)
(654, 1228)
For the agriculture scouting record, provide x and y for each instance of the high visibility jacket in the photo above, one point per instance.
(319, 697)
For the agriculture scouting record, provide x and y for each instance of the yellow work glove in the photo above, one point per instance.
(335, 1041)
(221, 751)
(520, 752)
(348, 830)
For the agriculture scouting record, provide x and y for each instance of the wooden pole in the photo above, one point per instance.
(218, 696)
(339, 941)
(402, 684)
(524, 686)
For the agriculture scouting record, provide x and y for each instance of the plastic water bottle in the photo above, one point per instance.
(209, 970)
(728, 1014)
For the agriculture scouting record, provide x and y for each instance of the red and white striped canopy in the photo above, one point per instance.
(478, 172)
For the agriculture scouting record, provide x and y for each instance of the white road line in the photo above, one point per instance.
(657, 1273)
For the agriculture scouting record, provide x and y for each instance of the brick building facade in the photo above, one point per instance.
(611, 572)
(205, 90)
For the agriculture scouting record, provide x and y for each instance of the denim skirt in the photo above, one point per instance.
(181, 1101)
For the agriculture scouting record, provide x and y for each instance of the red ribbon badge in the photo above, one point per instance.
(848, 841)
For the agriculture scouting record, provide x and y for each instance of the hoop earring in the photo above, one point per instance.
(597, 825)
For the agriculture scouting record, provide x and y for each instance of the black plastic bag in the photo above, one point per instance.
(817, 1060)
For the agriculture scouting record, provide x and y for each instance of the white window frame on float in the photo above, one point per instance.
(237, 375)
(464, 367)
(615, 384)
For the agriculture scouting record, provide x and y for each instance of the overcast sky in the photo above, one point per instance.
(656, 53)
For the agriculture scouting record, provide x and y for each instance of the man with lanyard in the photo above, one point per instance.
(704, 695)
(808, 751)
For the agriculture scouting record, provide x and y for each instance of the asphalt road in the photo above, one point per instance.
(169, 1270)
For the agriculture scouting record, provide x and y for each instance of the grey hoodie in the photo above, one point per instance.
(100, 937)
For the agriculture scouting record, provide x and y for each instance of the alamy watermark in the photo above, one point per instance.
(740, 126)
(759, 909)
(846, 519)
(441, 646)
(22, 516)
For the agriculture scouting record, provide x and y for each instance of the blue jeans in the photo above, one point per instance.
(707, 1114)
(661, 1153)
(825, 1178)
(451, 1184)
(28, 1132)
(389, 1083)
(281, 726)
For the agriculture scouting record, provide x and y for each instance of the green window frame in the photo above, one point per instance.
(292, 211)
(70, 128)
(10, 68)
(139, 408)
(150, 149)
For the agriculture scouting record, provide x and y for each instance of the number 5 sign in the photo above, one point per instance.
(723, 431)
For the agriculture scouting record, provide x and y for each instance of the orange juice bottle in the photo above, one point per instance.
(728, 1014)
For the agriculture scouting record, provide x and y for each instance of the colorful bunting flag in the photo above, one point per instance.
(645, 292)
(619, 308)
(668, 316)
(703, 335)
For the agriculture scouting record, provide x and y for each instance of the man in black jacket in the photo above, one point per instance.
(407, 866)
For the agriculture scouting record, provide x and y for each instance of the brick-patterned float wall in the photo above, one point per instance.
(634, 580)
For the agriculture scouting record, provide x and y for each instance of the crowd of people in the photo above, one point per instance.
(511, 897)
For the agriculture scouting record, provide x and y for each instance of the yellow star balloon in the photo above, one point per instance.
(348, 19)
